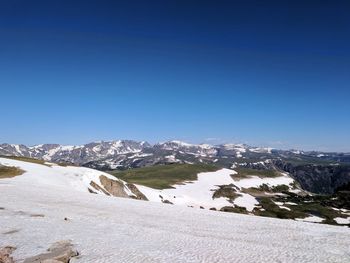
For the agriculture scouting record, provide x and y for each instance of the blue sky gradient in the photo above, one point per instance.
(269, 73)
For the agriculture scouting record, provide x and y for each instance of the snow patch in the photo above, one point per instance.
(342, 221)
(311, 218)
(194, 193)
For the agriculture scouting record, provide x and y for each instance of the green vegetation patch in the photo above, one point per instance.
(281, 188)
(234, 209)
(163, 176)
(9, 171)
(317, 209)
(301, 210)
(243, 173)
(273, 210)
(226, 191)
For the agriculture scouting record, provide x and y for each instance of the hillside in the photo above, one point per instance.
(50, 203)
(163, 176)
(70, 178)
(241, 190)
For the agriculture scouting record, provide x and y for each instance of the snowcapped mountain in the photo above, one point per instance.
(124, 154)
(74, 154)
(127, 154)
(205, 150)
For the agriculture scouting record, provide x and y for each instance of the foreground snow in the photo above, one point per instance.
(109, 229)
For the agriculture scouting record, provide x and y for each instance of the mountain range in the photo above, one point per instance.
(318, 172)
(123, 154)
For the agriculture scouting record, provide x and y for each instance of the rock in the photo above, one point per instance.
(136, 192)
(113, 187)
(98, 188)
(61, 252)
(5, 253)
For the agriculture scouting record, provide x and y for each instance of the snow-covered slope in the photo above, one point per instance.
(68, 178)
(224, 190)
(38, 212)
(262, 194)
(199, 193)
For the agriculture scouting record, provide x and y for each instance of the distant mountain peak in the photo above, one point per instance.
(124, 154)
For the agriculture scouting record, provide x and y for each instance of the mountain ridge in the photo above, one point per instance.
(303, 166)
(111, 153)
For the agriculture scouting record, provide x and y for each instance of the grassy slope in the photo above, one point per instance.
(8, 172)
(163, 176)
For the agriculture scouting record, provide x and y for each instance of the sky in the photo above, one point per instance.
(265, 73)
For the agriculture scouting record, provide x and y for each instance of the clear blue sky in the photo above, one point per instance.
(261, 72)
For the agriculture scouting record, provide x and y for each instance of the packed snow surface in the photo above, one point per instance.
(194, 193)
(199, 193)
(255, 181)
(341, 220)
(109, 229)
(311, 218)
(70, 177)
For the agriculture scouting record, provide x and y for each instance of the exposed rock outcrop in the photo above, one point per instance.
(136, 192)
(59, 252)
(113, 187)
(98, 188)
(116, 188)
(5, 254)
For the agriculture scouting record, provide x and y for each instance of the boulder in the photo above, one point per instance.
(5, 253)
(59, 252)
